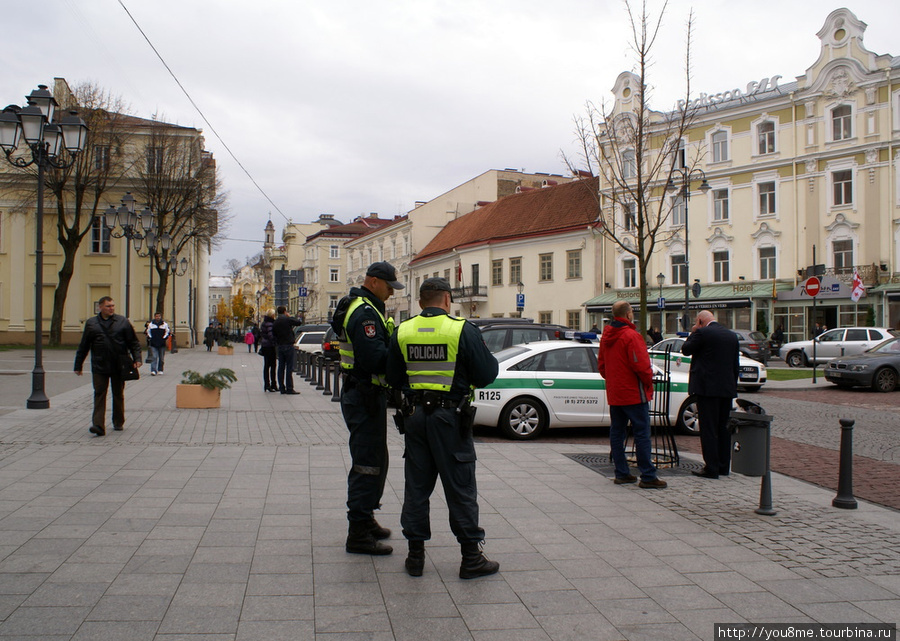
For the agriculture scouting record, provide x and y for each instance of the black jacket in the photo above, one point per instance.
(365, 331)
(93, 339)
(283, 329)
(714, 353)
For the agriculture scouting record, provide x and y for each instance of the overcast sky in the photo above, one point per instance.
(358, 106)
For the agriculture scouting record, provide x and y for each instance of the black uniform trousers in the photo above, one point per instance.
(364, 407)
(117, 385)
(715, 438)
(436, 446)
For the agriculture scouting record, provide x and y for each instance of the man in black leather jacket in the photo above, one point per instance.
(108, 337)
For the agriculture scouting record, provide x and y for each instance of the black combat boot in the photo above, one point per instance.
(377, 531)
(474, 563)
(415, 560)
(361, 541)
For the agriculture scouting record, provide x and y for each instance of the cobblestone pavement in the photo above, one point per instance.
(229, 525)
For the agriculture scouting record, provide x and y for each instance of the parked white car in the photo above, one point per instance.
(752, 374)
(556, 384)
(834, 343)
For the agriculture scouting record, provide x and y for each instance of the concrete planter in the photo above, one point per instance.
(197, 397)
(227, 351)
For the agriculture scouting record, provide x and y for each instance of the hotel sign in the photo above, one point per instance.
(753, 87)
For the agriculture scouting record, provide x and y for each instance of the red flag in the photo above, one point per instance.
(459, 271)
(857, 289)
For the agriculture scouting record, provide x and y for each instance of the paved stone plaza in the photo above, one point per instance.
(229, 524)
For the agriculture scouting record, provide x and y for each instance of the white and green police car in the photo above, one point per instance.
(751, 374)
(556, 384)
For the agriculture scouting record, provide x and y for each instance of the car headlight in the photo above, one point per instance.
(858, 368)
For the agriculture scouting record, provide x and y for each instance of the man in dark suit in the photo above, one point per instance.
(714, 356)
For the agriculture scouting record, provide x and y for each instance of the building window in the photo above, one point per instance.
(766, 198)
(573, 264)
(767, 263)
(515, 271)
(765, 137)
(334, 275)
(476, 273)
(545, 318)
(629, 272)
(720, 266)
(720, 205)
(332, 302)
(629, 221)
(99, 237)
(334, 252)
(720, 146)
(101, 158)
(573, 319)
(678, 211)
(680, 160)
(842, 187)
(841, 123)
(629, 167)
(546, 266)
(679, 269)
(154, 160)
(497, 272)
(842, 251)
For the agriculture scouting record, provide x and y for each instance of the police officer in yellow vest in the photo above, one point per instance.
(363, 331)
(438, 360)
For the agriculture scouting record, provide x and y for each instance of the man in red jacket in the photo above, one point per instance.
(625, 366)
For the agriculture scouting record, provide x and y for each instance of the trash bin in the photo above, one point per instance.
(749, 438)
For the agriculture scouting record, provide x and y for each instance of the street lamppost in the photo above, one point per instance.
(135, 227)
(520, 287)
(661, 279)
(153, 241)
(685, 192)
(176, 269)
(45, 140)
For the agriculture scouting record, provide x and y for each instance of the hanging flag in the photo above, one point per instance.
(774, 289)
(857, 289)
(459, 271)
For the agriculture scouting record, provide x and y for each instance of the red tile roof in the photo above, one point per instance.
(538, 212)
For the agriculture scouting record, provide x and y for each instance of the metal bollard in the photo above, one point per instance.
(310, 371)
(336, 398)
(320, 375)
(327, 376)
(301, 364)
(844, 498)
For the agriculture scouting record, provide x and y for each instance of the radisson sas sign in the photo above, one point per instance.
(753, 87)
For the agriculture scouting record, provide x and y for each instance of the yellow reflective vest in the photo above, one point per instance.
(348, 359)
(429, 345)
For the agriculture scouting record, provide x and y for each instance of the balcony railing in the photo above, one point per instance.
(470, 294)
(869, 274)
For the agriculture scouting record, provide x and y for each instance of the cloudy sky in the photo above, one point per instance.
(356, 106)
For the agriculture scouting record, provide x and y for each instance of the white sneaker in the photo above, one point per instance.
(152, 373)
(161, 372)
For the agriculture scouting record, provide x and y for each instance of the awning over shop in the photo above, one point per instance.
(890, 290)
(711, 297)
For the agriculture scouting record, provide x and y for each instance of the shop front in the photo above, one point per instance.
(797, 313)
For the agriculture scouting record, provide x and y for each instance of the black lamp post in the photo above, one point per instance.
(176, 269)
(153, 242)
(685, 190)
(135, 228)
(45, 140)
(661, 279)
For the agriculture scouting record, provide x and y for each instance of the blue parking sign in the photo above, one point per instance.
(660, 303)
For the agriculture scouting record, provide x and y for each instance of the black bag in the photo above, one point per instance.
(127, 370)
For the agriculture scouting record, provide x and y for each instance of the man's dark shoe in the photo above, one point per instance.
(656, 484)
(475, 563)
(361, 541)
(118, 428)
(99, 431)
(291, 391)
(705, 473)
(415, 560)
(624, 480)
(377, 531)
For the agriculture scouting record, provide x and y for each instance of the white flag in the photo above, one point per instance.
(857, 290)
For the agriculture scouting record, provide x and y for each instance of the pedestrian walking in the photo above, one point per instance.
(715, 353)
(157, 334)
(249, 339)
(363, 330)
(438, 360)
(624, 364)
(267, 351)
(210, 336)
(283, 331)
(113, 344)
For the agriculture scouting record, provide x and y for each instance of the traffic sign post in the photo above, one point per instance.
(660, 303)
(520, 302)
(812, 286)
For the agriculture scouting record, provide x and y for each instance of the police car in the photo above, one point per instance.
(556, 384)
(751, 374)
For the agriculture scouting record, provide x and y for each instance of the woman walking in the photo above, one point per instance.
(267, 351)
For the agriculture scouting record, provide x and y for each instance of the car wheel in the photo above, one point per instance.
(885, 380)
(796, 359)
(523, 419)
(688, 421)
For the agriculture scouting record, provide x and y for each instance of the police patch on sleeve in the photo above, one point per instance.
(427, 353)
(369, 328)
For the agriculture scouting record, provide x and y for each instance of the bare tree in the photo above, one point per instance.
(81, 189)
(234, 267)
(635, 151)
(178, 180)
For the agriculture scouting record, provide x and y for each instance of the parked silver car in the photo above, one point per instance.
(835, 343)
